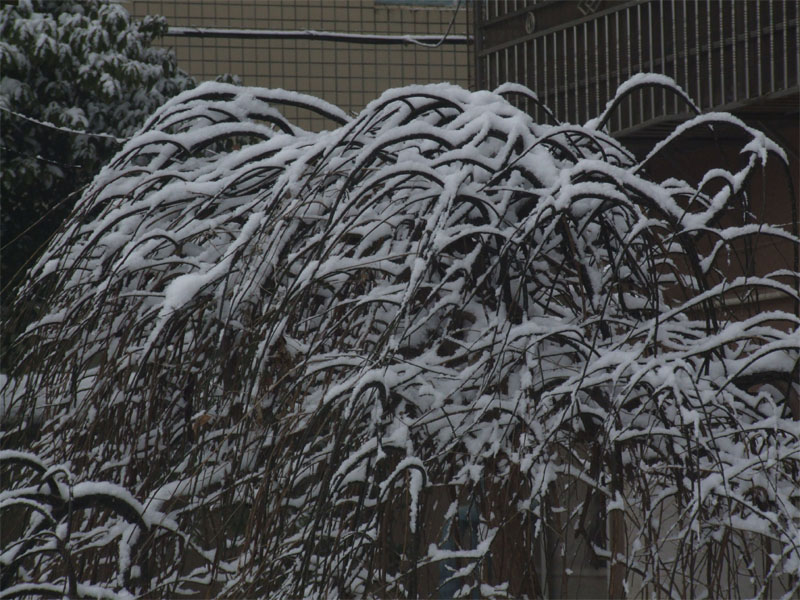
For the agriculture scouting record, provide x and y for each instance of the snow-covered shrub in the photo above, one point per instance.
(53, 499)
(402, 355)
(82, 65)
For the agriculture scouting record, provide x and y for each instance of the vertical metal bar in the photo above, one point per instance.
(505, 64)
(698, 52)
(608, 68)
(785, 47)
(722, 98)
(544, 70)
(555, 76)
(640, 50)
(489, 70)
(617, 65)
(577, 89)
(472, 70)
(587, 105)
(476, 47)
(747, 93)
(746, 52)
(675, 52)
(566, 76)
(759, 55)
(526, 75)
(651, 67)
(733, 51)
(516, 68)
(710, 55)
(772, 87)
(663, 54)
(596, 70)
(630, 66)
(686, 52)
(536, 79)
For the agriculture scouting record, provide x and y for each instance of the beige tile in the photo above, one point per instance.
(347, 74)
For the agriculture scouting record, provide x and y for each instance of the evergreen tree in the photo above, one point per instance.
(68, 66)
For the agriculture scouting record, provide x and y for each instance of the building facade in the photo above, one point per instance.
(727, 55)
(734, 56)
(345, 52)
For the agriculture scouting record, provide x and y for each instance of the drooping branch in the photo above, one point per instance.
(366, 361)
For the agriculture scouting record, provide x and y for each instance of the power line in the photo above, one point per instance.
(310, 34)
(119, 140)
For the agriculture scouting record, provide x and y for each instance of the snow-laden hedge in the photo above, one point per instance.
(437, 346)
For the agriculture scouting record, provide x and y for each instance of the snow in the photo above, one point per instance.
(436, 554)
(49, 589)
(638, 80)
(243, 101)
(12, 406)
(433, 300)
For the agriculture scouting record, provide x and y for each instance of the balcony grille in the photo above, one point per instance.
(725, 54)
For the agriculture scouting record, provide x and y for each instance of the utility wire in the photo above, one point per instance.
(311, 34)
(119, 140)
(426, 41)
(449, 28)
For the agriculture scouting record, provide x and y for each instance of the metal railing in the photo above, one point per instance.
(724, 53)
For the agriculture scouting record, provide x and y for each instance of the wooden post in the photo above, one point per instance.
(616, 545)
(615, 530)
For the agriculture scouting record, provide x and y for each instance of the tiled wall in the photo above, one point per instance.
(345, 73)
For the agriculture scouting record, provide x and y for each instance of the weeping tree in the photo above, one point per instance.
(437, 350)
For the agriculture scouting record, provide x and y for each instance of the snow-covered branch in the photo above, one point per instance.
(369, 361)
